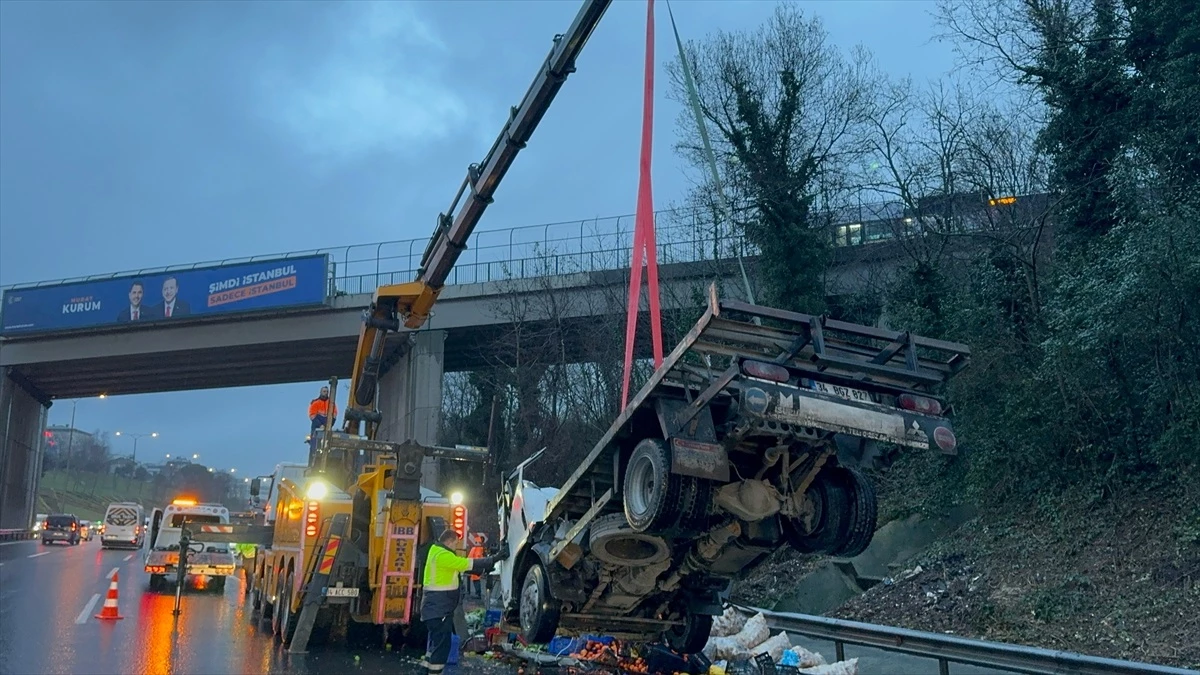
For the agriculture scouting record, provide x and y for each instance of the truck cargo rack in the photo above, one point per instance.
(709, 357)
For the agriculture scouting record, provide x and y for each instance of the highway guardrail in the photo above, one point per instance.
(947, 649)
(16, 535)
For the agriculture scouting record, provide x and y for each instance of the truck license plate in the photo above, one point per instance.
(848, 393)
(341, 592)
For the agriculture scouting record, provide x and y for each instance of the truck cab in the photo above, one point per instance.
(207, 562)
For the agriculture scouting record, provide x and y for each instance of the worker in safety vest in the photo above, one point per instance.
(318, 410)
(441, 595)
(475, 587)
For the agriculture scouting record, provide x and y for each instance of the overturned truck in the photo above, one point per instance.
(750, 436)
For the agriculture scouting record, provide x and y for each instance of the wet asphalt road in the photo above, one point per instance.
(50, 594)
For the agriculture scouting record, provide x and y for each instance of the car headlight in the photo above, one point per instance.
(317, 490)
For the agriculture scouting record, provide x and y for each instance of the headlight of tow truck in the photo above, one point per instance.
(456, 498)
(317, 490)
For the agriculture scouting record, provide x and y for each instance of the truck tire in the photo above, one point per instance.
(691, 637)
(832, 502)
(539, 610)
(285, 620)
(614, 541)
(862, 515)
(651, 491)
(157, 581)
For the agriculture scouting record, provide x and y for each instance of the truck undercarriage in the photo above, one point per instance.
(751, 436)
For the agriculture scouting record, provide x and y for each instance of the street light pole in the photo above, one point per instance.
(71, 432)
(71, 438)
(153, 434)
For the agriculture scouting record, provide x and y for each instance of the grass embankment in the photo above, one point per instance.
(87, 495)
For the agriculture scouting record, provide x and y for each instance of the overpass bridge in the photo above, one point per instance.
(583, 264)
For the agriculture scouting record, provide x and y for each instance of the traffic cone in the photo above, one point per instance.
(110, 602)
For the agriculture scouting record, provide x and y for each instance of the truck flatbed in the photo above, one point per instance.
(706, 361)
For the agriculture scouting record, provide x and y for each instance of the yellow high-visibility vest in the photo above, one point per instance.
(442, 568)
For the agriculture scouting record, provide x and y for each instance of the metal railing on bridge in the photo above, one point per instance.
(590, 245)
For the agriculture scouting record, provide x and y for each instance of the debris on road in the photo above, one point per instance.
(738, 643)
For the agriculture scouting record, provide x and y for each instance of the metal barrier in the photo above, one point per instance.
(16, 535)
(590, 245)
(947, 649)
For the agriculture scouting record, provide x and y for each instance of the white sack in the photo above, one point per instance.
(725, 649)
(754, 633)
(728, 623)
(775, 646)
(806, 658)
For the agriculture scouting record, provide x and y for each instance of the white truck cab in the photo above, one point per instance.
(523, 503)
(206, 561)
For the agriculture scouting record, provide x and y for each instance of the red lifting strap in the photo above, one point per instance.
(643, 229)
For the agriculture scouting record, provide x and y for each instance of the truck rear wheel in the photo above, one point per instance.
(539, 611)
(830, 503)
(651, 491)
(691, 637)
(284, 620)
(846, 515)
(862, 515)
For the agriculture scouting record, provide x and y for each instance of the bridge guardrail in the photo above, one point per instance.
(589, 245)
(947, 649)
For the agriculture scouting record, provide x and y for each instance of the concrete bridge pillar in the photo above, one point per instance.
(22, 423)
(410, 398)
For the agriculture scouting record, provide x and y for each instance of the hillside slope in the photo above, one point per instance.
(1118, 578)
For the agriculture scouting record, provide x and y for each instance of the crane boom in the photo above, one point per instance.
(410, 303)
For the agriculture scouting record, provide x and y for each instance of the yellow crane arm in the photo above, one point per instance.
(410, 303)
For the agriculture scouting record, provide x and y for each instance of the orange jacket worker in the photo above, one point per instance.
(478, 541)
(321, 407)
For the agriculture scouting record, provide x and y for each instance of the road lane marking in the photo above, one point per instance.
(111, 573)
(13, 543)
(128, 558)
(39, 554)
(82, 618)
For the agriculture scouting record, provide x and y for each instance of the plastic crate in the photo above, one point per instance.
(491, 618)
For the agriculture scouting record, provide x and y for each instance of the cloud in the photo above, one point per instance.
(378, 88)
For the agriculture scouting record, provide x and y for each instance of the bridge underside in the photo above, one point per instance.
(281, 363)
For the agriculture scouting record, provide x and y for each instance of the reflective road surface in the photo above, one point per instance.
(49, 596)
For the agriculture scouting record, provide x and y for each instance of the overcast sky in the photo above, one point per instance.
(137, 135)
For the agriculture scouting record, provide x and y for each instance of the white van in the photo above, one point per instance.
(123, 526)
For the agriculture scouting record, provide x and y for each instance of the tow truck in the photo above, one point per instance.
(209, 562)
(341, 550)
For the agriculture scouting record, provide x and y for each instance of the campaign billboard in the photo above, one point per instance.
(166, 296)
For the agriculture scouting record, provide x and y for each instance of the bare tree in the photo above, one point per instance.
(782, 106)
